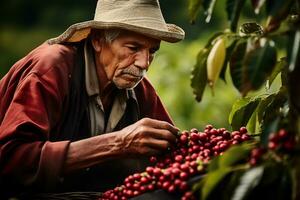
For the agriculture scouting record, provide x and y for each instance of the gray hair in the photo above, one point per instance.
(108, 35)
(111, 34)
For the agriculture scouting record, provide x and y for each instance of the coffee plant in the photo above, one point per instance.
(188, 158)
(254, 54)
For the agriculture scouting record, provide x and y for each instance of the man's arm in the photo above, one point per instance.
(32, 100)
(143, 138)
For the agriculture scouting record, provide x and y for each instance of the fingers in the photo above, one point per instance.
(161, 145)
(148, 136)
(161, 134)
(158, 124)
(153, 146)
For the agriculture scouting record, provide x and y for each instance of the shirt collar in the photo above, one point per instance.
(91, 79)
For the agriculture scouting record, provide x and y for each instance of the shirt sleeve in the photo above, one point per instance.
(149, 102)
(28, 157)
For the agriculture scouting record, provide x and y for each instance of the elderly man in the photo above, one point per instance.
(77, 113)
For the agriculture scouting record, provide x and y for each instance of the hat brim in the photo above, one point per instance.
(80, 31)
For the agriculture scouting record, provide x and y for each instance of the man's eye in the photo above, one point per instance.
(133, 48)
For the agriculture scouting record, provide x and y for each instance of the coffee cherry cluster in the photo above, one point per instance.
(279, 142)
(187, 158)
(256, 155)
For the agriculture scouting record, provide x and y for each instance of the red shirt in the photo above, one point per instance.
(39, 118)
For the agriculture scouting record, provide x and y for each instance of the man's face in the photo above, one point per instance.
(127, 58)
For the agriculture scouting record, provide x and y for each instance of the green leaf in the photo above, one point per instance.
(193, 9)
(274, 184)
(214, 164)
(258, 63)
(278, 9)
(252, 123)
(230, 45)
(285, 184)
(241, 112)
(199, 74)
(234, 8)
(294, 52)
(212, 179)
(209, 7)
(292, 77)
(251, 28)
(235, 155)
(295, 177)
(270, 114)
(212, 39)
(248, 181)
(280, 65)
(236, 63)
(206, 4)
(263, 104)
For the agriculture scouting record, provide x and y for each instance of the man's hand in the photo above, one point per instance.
(147, 137)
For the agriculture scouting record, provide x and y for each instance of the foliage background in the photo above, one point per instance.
(26, 24)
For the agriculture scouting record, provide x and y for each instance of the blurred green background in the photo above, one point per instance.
(26, 24)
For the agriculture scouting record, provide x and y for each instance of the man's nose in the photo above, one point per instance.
(142, 60)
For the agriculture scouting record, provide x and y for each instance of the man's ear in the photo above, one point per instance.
(97, 44)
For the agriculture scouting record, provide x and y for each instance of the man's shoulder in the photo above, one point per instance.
(48, 56)
(45, 58)
(45, 61)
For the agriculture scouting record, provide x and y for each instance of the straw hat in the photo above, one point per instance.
(141, 16)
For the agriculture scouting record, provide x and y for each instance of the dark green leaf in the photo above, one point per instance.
(199, 74)
(209, 7)
(293, 77)
(280, 65)
(236, 63)
(230, 45)
(241, 112)
(277, 11)
(263, 104)
(194, 8)
(248, 181)
(271, 114)
(251, 28)
(211, 40)
(285, 184)
(206, 4)
(295, 176)
(294, 51)
(235, 155)
(214, 164)
(212, 179)
(252, 123)
(270, 186)
(258, 64)
(227, 189)
(234, 8)
(278, 8)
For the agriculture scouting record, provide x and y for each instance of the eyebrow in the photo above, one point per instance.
(156, 47)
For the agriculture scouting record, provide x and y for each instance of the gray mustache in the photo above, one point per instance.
(134, 71)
